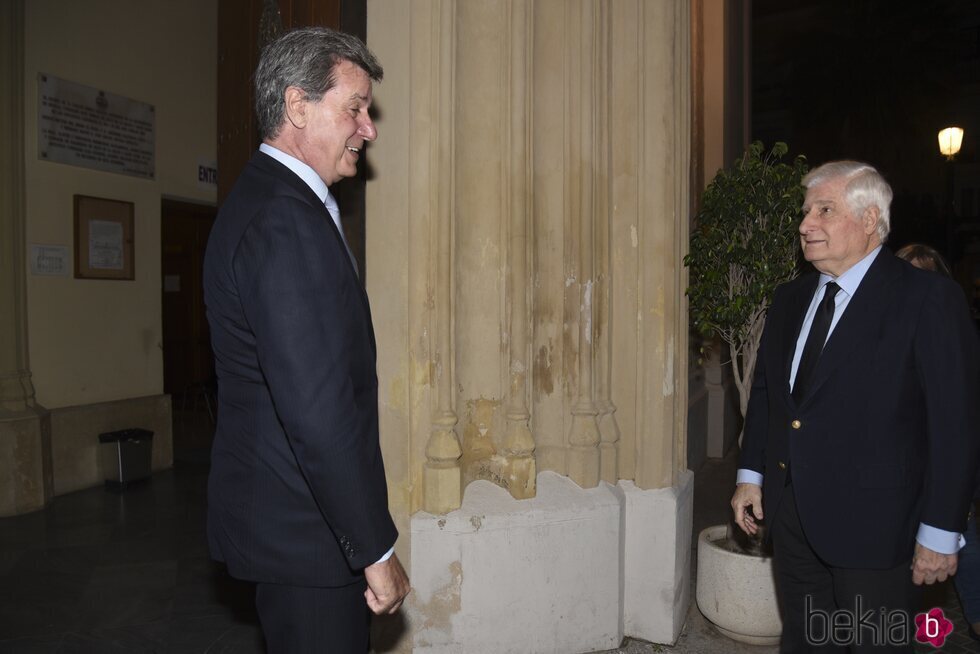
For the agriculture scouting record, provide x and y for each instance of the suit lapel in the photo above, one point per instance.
(269, 165)
(797, 312)
(273, 167)
(860, 320)
(788, 326)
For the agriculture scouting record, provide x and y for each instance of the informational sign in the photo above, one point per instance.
(83, 126)
(104, 238)
(51, 260)
(105, 245)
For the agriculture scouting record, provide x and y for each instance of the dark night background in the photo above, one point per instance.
(875, 80)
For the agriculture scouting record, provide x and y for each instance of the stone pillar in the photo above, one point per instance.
(651, 136)
(527, 221)
(25, 434)
(651, 121)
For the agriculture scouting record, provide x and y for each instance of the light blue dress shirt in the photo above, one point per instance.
(308, 175)
(313, 180)
(938, 540)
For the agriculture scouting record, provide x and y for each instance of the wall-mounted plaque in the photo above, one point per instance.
(83, 126)
(103, 238)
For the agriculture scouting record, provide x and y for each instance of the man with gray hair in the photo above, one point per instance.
(297, 497)
(861, 435)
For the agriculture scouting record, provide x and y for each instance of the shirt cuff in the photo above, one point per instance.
(746, 476)
(387, 555)
(939, 540)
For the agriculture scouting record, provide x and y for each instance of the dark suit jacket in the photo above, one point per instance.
(297, 491)
(887, 436)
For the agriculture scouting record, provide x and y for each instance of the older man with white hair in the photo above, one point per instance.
(861, 437)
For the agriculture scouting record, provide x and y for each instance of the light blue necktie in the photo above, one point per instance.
(334, 212)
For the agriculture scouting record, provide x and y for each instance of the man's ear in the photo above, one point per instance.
(869, 219)
(296, 106)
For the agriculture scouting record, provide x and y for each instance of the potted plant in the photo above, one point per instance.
(745, 242)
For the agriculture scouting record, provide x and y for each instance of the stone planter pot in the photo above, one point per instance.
(737, 592)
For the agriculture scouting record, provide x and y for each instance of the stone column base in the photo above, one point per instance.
(25, 462)
(528, 576)
(569, 570)
(657, 558)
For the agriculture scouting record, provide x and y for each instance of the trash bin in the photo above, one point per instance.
(126, 456)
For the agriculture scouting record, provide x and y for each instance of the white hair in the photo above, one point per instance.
(865, 188)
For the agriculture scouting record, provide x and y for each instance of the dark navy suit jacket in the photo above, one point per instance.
(297, 491)
(887, 436)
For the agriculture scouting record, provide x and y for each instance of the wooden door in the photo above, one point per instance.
(243, 28)
(187, 357)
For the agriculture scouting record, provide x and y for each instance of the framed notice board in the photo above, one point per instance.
(103, 238)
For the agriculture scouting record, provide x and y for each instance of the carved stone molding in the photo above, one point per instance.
(433, 54)
(518, 444)
(583, 63)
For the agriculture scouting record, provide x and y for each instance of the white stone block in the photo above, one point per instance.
(525, 576)
(657, 559)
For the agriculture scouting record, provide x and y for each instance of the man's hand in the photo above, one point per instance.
(747, 495)
(928, 566)
(387, 586)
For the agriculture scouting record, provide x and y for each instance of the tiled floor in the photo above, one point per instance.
(100, 572)
(104, 573)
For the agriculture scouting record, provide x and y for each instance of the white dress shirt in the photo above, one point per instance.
(308, 175)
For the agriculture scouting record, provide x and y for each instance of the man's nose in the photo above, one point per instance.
(805, 224)
(368, 130)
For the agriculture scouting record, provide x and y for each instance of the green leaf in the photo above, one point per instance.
(746, 230)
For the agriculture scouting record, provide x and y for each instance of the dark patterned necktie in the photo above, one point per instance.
(815, 340)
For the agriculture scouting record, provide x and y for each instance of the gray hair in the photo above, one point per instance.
(307, 59)
(865, 188)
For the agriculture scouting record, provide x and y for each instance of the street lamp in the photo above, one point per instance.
(950, 140)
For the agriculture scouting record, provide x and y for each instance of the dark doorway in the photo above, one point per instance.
(188, 364)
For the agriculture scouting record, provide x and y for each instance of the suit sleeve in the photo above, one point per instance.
(299, 301)
(946, 359)
(755, 431)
